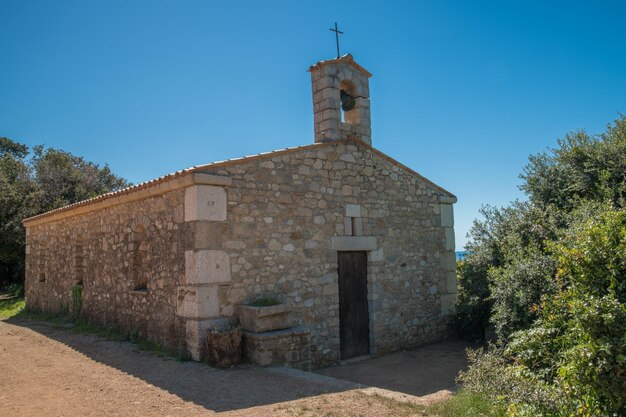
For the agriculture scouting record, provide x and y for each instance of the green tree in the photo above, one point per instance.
(579, 343)
(63, 178)
(506, 272)
(507, 269)
(33, 184)
(17, 201)
(582, 168)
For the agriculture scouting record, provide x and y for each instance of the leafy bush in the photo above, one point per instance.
(554, 272)
(516, 290)
(503, 277)
(473, 306)
(572, 359)
(493, 376)
(508, 269)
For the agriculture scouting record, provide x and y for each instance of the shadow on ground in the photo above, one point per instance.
(421, 371)
(213, 389)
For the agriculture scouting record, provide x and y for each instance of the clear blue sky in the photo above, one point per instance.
(462, 91)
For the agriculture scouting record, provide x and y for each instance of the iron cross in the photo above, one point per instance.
(337, 32)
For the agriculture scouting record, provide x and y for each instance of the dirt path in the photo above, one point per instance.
(55, 372)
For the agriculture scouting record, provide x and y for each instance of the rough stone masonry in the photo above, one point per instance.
(170, 257)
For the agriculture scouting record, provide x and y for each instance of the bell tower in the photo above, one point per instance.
(341, 100)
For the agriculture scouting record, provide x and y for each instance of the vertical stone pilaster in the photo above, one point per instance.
(206, 270)
(449, 296)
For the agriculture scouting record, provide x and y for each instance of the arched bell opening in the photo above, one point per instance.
(348, 95)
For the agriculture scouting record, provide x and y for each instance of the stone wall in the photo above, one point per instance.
(289, 214)
(174, 259)
(289, 347)
(129, 259)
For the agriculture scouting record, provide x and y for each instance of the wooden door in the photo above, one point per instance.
(354, 331)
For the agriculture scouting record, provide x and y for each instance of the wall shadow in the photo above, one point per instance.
(421, 371)
(214, 389)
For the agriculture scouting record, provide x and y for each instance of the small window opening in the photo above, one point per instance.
(354, 226)
(140, 279)
(79, 266)
(41, 263)
(139, 273)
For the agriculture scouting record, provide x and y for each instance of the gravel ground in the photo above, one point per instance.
(51, 371)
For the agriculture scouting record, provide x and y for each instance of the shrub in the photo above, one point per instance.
(494, 376)
(473, 305)
(572, 360)
(516, 290)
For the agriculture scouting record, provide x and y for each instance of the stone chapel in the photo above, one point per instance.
(359, 247)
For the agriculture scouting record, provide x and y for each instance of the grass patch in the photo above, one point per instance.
(351, 404)
(399, 408)
(265, 301)
(467, 404)
(64, 320)
(11, 308)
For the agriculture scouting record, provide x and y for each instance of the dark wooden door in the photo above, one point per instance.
(354, 329)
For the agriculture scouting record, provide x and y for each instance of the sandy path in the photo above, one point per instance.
(47, 371)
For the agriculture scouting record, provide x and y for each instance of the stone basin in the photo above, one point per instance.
(266, 318)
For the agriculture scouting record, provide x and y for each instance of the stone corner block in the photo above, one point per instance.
(205, 202)
(195, 335)
(448, 261)
(447, 199)
(448, 304)
(195, 331)
(447, 215)
(451, 283)
(198, 302)
(450, 242)
(207, 267)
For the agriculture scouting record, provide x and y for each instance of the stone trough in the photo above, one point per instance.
(270, 340)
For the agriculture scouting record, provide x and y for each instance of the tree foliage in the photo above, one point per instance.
(577, 346)
(552, 272)
(582, 168)
(35, 183)
(507, 247)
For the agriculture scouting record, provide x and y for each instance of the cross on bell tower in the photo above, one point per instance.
(341, 104)
(337, 32)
